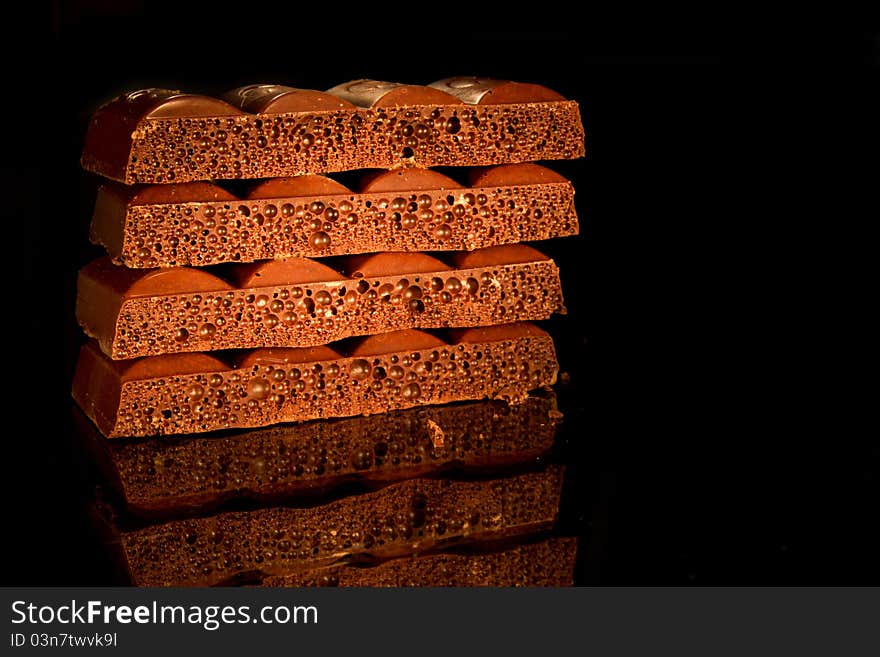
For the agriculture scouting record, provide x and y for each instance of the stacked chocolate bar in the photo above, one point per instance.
(225, 305)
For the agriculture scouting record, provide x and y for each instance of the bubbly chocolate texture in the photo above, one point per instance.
(263, 131)
(545, 563)
(197, 392)
(410, 517)
(311, 216)
(164, 478)
(300, 302)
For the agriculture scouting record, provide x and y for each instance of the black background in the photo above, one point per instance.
(681, 470)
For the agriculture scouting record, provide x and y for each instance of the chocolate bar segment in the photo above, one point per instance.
(160, 136)
(301, 302)
(292, 187)
(112, 130)
(377, 93)
(486, 91)
(123, 401)
(411, 516)
(276, 98)
(175, 477)
(514, 174)
(312, 216)
(284, 272)
(546, 563)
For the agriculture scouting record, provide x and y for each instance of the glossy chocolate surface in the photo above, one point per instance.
(163, 136)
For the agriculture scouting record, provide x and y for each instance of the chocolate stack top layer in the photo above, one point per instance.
(403, 210)
(166, 478)
(263, 131)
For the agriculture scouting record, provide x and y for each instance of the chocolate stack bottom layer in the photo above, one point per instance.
(186, 393)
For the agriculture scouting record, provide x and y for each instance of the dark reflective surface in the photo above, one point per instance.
(291, 501)
(162, 478)
(415, 517)
(539, 562)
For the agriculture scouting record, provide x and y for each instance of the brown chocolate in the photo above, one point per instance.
(275, 98)
(377, 93)
(193, 192)
(160, 136)
(546, 563)
(405, 518)
(412, 179)
(301, 302)
(311, 216)
(393, 264)
(284, 272)
(389, 343)
(521, 330)
(497, 255)
(111, 133)
(161, 478)
(514, 174)
(281, 356)
(291, 187)
(486, 91)
(506, 363)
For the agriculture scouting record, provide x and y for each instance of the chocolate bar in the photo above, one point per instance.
(311, 216)
(176, 477)
(486, 91)
(264, 131)
(546, 563)
(193, 393)
(301, 302)
(413, 516)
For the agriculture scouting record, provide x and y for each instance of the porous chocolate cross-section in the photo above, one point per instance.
(300, 302)
(313, 216)
(191, 393)
(164, 136)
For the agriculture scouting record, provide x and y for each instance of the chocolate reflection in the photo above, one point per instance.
(403, 519)
(546, 563)
(162, 478)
